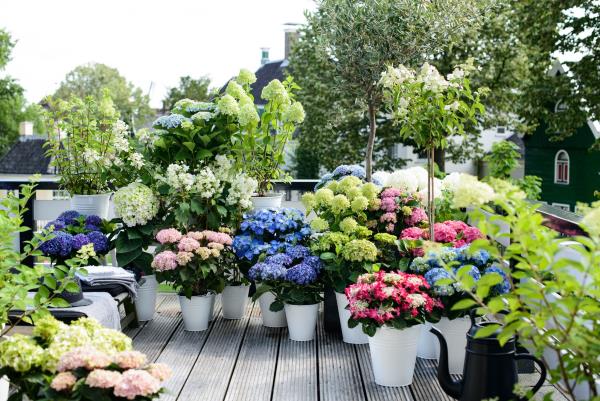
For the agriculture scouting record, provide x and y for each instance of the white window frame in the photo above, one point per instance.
(562, 206)
(568, 180)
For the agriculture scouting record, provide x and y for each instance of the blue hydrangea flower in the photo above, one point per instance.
(69, 217)
(59, 246)
(58, 225)
(314, 262)
(93, 220)
(420, 265)
(280, 259)
(502, 288)
(436, 274)
(297, 251)
(92, 227)
(267, 271)
(301, 274)
(99, 240)
(171, 121)
(479, 257)
(80, 240)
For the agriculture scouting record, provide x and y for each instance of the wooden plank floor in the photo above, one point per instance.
(239, 360)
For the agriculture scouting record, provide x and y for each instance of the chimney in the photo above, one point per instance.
(26, 128)
(291, 35)
(264, 58)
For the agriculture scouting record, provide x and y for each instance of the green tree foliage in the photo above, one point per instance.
(91, 80)
(13, 105)
(189, 88)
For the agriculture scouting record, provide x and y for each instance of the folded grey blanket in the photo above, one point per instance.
(102, 275)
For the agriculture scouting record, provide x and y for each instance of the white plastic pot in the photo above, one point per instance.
(196, 311)
(4, 387)
(91, 204)
(212, 307)
(234, 300)
(145, 301)
(270, 318)
(350, 336)
(271, 201)
(428, 346)
(455, 333)
(393, 355)
(302, 321)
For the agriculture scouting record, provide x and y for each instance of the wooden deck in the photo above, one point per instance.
(240, 360)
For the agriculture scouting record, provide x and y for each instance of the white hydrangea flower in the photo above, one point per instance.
(242, 189)
(421, 176)
(91, 156)
(228, 105)
(395, 76)
(136, 204)
(402, 180)
(245, 77)
(178, 177)
(248, 115)
(466, 190)
(294, 113)
(206, 184)
(234, 89)
(381, 176)
(137, 160)
(432, 79)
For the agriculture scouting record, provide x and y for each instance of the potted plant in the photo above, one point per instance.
(267, 232)
(90, 150)
(137, 206)
(262, 137)
(193, 264)
(293, 276)
(390, 307)
(342, 240)
(235, 295)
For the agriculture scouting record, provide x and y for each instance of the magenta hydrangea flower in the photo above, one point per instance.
(470, 234)
(413, 233)
(417, 216)
(444, 233)
(388, 205)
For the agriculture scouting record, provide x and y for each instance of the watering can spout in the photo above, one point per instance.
(450, 387)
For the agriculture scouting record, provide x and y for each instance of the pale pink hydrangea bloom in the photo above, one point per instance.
(160, 371)
(136, 383)
(221, 238)
(168, 236)
(101, 378)
(166, 260)
(198, 236)
(391, 193)
(388, 205)
(388, 218)
(130, 359)
(187, 244)
(63, 381)
(83, 357)
(183, 258)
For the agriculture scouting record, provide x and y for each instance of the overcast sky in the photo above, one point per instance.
(148, 41)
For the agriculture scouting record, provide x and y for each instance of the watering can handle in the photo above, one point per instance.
(542, 367)
(473, 315)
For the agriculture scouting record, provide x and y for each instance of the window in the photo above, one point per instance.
(500, 130)
(561, 167)
(562, 206)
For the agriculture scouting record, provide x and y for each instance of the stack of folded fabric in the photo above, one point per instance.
(101, 276)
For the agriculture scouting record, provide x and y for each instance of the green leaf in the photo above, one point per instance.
(190, 145)
(327, 256)
(487, 330)
(466, 303)
(124, 259)
(203, 154)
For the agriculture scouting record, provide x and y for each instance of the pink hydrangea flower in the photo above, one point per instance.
(388, 205)
(160, 371)
(417, 216)
(390, 227)
(83, 357)
(388, 218)
(166, 260)
(187, 244)
(444, 233)
(101, 378)
(390, 193)
(168, 236)
(63, 381)
(198, 236)
(136, 383)
(470, 234)
(183, 258)
(221, 238)
(130, 359)
(413, 233)
(457, 225)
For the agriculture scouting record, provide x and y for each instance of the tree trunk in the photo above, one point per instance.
(371, 142)
(440, 159)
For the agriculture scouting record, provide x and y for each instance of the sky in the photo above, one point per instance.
(151, 42)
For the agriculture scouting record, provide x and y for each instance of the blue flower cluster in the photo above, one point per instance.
(200, 106)
(296, 265)
(270, 231)
(72, 231)
(171, 121)
(343, 171)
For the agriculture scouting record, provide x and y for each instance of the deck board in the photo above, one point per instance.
(296, 376)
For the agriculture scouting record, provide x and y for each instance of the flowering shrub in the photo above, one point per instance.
(411, 180)
(192, 262)
(23, 359)
(395, 299)
(293, 276)
(453, 232)
(465, 190)
(343, 171)
(71, 231)
(448, 269)
(398, 209)
(269, 231)
(136, 204)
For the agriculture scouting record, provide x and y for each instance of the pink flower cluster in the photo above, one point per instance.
(136, 383)
(182, 249)
(417, 216)
(83, 357)
(382, 297)
(397, 206)
(456, 233)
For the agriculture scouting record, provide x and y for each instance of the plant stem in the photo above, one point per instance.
(371, 141)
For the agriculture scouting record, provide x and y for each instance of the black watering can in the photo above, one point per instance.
(490, 369)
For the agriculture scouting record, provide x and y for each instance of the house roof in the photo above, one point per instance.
(265, 74)
(518, 140)
(27, 156)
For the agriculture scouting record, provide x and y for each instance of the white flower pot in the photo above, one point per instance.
(270, 318)
(455, 333)
(196, 311)
(234, 301)
(4, 387)
(428, 346)
(212, 307)
(393, 355)
(350, 336)
(91, 204)
(271, 201)
(302, 321)
(145, 301)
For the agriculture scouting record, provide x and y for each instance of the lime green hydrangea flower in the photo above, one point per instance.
(348, 182)
(407, 211)
(276, 92)
(187, 125)
(324, 197)
(348, 225)
(360, 250)
(333, 185)
(228, 105)
(359, 204)
(245, 77)
(353, 192)
(385, 238)
(319, 225)
(47, 327)
(20, 353)
(309, 201)
(374, 204)
(329, 241)
(363, 232)
(234, 89)
(294, 113)
(339, 204)
(248, 115)
(370, 191)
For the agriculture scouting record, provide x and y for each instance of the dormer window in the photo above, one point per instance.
(560, 106)
(561, 167)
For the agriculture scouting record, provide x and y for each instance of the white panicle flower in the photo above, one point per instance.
(432, 79)
(403, 180)
(242, 189)
(234, 89)
(137, 160)
(178, 177)
(228, 105)
(120, 128)
(91, 156)
(121, 144)
(275, 91)
(467, 190)
(146, 136)
(456, 75)
(452, 106)
(206, 183)
(136, 204)
(381, 177)
(248, 115)
(246, 77)
(222, 168)
(395, 76)
(294, 113)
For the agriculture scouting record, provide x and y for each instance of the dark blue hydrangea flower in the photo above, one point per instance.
(346, 170)
(280, 259)
(59, 246)
(502, 288)
(80, 240)
(171, 121)
(314, 262)
(69, 217)
(301, 274)
(99, 240)
(436, 274)
(267, 271)
(479, 257)
(57, 224)
(91, 227)
(93, 220)
(297, 251)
